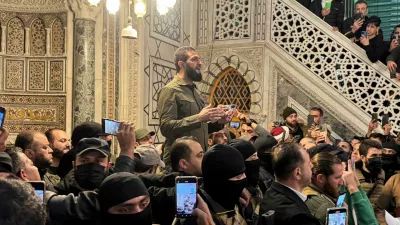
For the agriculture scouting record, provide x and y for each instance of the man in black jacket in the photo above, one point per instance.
(333, 16)
(292, 168)
(92, 162)
(264, 147)
(353, 26)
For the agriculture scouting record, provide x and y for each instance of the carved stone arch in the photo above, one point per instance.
(59, 18)
(38, 37)
(57, 37)
(15, 36)
(219, 65)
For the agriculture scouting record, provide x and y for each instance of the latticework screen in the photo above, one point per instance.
(231, 88)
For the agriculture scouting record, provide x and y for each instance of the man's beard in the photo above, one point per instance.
(292, 124)
(193, 74)
(331, 191)
(57, 153)
(42, 163)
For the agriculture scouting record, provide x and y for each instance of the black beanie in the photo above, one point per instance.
(391, 145)
(244, 147)
(287, 112)
(118, 188)
(222, 162)
(86, 130)
(263, 144)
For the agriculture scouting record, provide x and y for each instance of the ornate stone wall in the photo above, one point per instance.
(162, 35)
(33, 65)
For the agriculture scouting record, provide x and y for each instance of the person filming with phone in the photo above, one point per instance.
(353, 26)
(371, 40)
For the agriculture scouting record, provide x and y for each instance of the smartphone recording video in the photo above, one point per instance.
(186, 196)
(374, 117)
(385, 119)
(39, 188)
(336, 216)
(340, 200)
(234, 125)
(110, 126)
(2, 116)
(310, 121)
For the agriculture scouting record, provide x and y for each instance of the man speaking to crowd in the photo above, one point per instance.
(181, 110)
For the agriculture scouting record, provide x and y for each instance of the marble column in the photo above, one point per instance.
(84, 71)
(48, 41)
(27, 41)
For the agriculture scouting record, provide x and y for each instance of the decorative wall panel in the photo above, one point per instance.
(15, 37)
(261, 19)
(58, 38)
(232, 19)
(203, 22)
(232, 88)
(37, 75)
(34, 112)
(169, 25)
(14, 75)
(38, 38)
(56, 76)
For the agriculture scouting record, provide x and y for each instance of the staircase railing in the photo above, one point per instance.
(334, 59)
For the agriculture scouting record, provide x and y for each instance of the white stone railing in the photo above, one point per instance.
(309, 41)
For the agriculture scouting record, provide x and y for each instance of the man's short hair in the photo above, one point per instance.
(323, 163)
(321, 112)
(374, 20)
(24, 139)
(49, 134)
(16, 159)
(18, 202)
(181, 54)
(366, 145)
(379, 136)
(286, 158)
(180, 150)
(361, 2)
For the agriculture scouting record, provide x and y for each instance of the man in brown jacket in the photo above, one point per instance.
(391, 191)
(181, 110)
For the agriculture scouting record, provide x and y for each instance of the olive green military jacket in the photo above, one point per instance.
(178, 106)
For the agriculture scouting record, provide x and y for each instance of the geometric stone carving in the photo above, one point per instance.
(38, 38)
(169, 25)
(37, 72)
(232, 19)
(358, 82)
(40, 113)
(261, 19)
(58, 38)
(14, 75)
(56, 76)
(203, 21)
(232, 88)
(15, 37)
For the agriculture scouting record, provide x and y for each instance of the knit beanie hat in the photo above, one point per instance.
(244, 147)
(287, 112)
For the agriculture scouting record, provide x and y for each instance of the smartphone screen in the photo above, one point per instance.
(340, 200)
(186, 196)
(385, 119)
(336, 216)
(310, 121)
(328, 5)
(110, 126)
(364, 34)
(374, 117)
(39, 188)
(2, 116)
(234, 124)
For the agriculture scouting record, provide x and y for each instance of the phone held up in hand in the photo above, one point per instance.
(336, 216)
(110, 126)
(2, 116)
(39, 188)
(186, 195)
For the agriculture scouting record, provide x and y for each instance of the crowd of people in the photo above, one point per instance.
(287, 173)
(361, 29)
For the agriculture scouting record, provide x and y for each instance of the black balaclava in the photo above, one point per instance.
(119, 188)
(221, 163)
(389, 162)
(252, 167)
(90, 175)
(264, 147)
